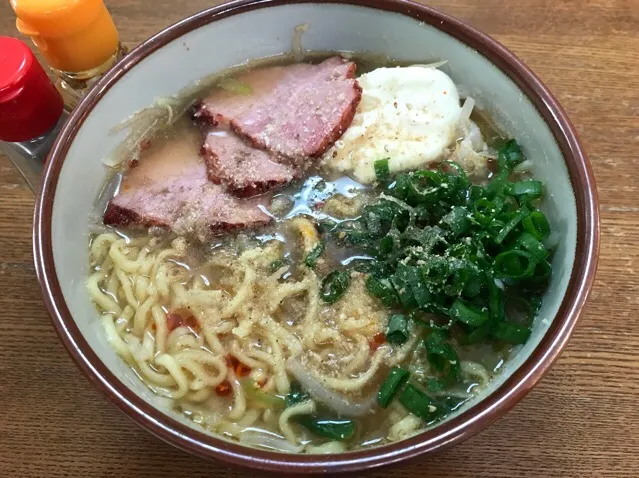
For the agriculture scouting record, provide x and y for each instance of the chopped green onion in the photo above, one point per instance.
(499, 183)
(514, 264)
(475, 192)
(511, 152)
(419, 187)
(529, 188)
(374, 222)
(494, 228)
(517, 218)
(435, 385)
(462, 273)
(509, 156)
(541, 273)
(420, 291)
(485, 210)
(401, 282)
(401, 221)
(439, 247)
(433, 321)
(473, 287)
(382, 170)
(386, 246)
(457, 220)
(537, 225)
(356, 237)
(442, 357)
(528, 242)
(256, 394)
(509, 204)
(467, 313)
(313, 256)
(397, 330)
(394, 381)
(296, 395)
(383, 290)
(479, 334)
(335, 429)
(435, 269)
(511, 333)
(495, 300)
(334, 285)
(418, 403)
(427, 237)
(461, 176)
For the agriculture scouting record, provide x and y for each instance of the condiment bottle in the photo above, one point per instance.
(31, 110)
(77, 38)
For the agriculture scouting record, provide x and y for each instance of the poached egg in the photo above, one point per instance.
(407, 114)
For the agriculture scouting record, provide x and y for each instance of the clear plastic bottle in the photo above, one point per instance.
(31, 110)
(77, 38)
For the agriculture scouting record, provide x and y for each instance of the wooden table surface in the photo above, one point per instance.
(582, 420)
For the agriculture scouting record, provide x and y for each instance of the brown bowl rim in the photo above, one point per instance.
(445, 435)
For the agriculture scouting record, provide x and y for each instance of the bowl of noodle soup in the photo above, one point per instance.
(296, 318)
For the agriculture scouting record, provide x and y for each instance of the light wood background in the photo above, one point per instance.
(581, 421)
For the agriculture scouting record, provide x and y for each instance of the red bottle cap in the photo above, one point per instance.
(29, 103)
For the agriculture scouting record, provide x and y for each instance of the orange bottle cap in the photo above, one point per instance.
(73, 35)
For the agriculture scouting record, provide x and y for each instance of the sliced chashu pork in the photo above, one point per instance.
(296, 111)
(242, 169)
(292, 116)
(170, 188)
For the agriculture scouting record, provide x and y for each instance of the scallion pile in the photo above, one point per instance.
(466, 263)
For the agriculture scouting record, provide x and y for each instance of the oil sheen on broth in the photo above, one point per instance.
(347, 315)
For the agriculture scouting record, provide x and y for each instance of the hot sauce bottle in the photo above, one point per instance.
(31, 110)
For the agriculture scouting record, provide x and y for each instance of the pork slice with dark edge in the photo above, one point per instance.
(242, 169)
(170, 188)
(297, 111)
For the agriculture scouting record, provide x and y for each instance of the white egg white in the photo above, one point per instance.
(407, 114)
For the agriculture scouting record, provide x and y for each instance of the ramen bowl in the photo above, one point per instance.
(232, 34)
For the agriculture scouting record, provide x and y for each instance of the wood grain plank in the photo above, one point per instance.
(580, 421)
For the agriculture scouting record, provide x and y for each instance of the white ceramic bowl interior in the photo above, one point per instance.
(268, 32)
